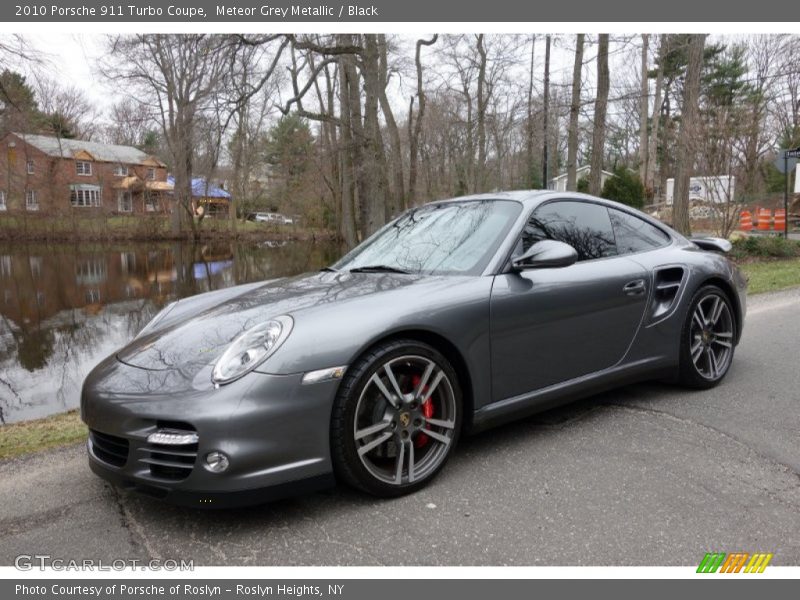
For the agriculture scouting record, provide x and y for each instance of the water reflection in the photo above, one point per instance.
(65, 307)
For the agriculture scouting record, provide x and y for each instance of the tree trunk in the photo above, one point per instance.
(399, 200)
(349, 145)
(600, 109)
(686, 154)
(652, 152)
(546, 110)
(530, 176)
(574, 113)
(480, 170)
(644, 105)
(371, 169)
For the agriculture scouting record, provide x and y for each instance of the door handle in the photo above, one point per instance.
(634, 288)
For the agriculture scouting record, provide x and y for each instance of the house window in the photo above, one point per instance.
(83, 167)
(90, 271)
(124, 201)
(127, 262)
(31, 200)
(85, 196)
(151, 204)
(92, 296)
(35, 263)
(3, 201)
(5, 265)
(29, 167)
(151, 174)
(121, 170)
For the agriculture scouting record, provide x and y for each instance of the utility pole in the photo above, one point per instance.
(545, 108)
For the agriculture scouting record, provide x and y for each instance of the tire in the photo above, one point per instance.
(374, 429)
(707, 339)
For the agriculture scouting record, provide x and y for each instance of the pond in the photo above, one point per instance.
(65, 307)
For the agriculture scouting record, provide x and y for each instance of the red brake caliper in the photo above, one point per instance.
(427, 411)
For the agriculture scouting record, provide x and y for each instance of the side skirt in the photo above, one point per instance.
(562, 393)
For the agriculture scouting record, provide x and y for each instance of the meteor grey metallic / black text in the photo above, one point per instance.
(456, 316)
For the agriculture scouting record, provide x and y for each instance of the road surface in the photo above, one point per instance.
(645, 475)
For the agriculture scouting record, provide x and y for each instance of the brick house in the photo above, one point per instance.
(56, 176)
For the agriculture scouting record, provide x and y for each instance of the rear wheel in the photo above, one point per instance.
(707, 340)
(396, 418)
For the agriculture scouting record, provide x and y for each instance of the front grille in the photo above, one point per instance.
(109, 448)
(170, 461)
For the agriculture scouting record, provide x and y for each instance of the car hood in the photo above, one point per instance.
(193, 343)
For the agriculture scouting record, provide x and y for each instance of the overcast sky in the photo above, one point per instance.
(70, 58)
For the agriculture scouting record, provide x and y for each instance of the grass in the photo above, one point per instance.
(17, 439)
(772, 275)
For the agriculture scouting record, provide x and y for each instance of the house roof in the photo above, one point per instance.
(200, 190)
(67, 148)
(581, 170)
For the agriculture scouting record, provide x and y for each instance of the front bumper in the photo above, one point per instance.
(273, 429)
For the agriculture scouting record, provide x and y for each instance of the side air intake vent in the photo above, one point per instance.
(668, 282)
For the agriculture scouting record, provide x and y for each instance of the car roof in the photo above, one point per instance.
(532, 198)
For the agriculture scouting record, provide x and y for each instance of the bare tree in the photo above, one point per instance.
(180, 75)
(415, 124)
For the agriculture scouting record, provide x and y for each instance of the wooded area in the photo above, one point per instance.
(347, 131)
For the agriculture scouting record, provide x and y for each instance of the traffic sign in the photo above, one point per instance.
(787, 159)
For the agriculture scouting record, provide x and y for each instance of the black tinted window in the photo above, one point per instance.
(584, 226)
(634, 234)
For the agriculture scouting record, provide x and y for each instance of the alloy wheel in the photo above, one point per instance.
(711, 337)
(405, 420)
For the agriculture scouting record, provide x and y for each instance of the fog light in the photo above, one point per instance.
(217, 462)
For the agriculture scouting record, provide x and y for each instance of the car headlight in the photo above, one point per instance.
(157, 319)
(251, 348)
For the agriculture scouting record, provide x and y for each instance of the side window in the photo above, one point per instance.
(583, 225)
(634, 234)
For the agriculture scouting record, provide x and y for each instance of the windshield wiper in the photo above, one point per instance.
(377, 269)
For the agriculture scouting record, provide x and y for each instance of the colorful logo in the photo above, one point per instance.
(736, 562)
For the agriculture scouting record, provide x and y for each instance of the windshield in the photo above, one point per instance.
(445, 238)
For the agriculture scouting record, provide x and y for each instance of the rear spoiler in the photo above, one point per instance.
(712, 244)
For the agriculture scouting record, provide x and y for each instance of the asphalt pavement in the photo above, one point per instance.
(645, 475)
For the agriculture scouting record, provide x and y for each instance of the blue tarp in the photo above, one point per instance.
(199, 189)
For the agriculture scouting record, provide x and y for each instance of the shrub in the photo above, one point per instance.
(624, 187)
(765, 247)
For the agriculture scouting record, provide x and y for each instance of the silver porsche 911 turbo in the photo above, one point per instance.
(454, 317)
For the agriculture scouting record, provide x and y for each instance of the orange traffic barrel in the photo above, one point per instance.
(745, 220)
(764, 219)
(780, 219)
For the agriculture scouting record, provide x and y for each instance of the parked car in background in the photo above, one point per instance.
(270, 217)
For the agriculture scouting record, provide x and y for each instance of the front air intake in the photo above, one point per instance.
(171, 452)
(110, 449)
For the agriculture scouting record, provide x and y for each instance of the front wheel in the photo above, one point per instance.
(396, 418)
(707, 340)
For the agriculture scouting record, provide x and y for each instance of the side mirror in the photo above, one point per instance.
(546, 254)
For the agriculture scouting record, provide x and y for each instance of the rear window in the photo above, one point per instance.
(634, 234)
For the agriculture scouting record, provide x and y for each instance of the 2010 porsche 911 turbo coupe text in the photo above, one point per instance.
(455, 316)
